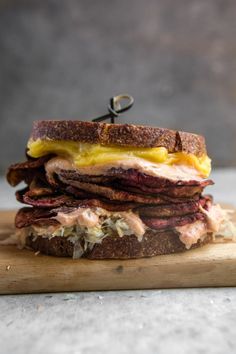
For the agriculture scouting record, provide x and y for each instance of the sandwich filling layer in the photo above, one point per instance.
(92, 157)
(172, 172)
(90, 226)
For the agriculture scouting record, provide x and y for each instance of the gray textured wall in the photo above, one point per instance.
(64, 59)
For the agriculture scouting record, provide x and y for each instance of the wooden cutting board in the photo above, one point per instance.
(21, 271)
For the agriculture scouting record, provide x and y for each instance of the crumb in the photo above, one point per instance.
(36, 253)
(39, 307)
(8, 267)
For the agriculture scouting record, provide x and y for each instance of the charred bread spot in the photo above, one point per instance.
(190, 143)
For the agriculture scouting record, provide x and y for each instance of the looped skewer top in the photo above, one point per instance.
(115, 108)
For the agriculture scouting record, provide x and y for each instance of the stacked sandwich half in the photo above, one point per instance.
(101, 190)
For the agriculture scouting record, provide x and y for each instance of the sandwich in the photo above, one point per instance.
(113, 191)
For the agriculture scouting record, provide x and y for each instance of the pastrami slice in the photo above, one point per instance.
(172, 222)
(20, 171)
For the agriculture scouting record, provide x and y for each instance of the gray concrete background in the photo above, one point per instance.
(64, 59)
(183, 321)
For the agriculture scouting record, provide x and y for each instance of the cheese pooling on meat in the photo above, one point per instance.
(172, 172)
(86, 156)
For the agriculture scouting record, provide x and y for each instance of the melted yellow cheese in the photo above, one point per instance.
(83, 154)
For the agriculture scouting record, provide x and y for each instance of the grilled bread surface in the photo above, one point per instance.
(119, 135)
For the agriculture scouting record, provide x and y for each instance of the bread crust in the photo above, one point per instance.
(114, 247)
(119, 135)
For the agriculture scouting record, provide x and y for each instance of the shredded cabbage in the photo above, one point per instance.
(84, 237)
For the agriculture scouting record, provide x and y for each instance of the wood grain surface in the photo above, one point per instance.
(21, 271)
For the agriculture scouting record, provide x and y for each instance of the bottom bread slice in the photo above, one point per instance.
(114, 247)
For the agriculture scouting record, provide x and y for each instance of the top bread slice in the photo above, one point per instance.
(128, 135)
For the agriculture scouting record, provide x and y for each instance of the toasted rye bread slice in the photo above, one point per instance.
(114, 247)
(119, 135)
